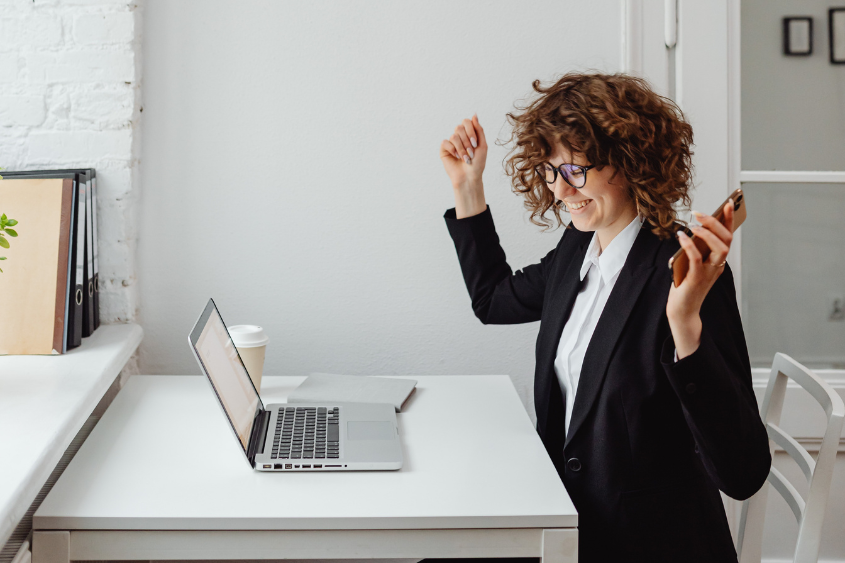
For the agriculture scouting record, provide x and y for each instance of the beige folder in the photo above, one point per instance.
(33, 285)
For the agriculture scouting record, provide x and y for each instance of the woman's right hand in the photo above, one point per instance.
(464, 155)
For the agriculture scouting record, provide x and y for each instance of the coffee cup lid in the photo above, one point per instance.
(248, 336)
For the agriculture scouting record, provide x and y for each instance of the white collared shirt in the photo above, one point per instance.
(601, 270)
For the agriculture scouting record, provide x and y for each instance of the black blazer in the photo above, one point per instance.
(651, 442)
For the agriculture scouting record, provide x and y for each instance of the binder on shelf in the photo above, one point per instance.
(88, 259)
(96, 248)
(76, 264)
(34, 285)
(77, 299)
(90, 282)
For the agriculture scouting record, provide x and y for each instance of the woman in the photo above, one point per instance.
(642, 389)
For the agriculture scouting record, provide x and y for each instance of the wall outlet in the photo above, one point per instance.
(836, 307)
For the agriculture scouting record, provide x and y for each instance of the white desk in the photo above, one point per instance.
(161, 477)
(44, 401)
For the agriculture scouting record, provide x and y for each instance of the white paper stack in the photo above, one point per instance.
(327, 387)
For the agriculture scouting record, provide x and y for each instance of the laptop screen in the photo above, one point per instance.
(220, 361)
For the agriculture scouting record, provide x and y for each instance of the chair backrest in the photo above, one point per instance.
(810, 512)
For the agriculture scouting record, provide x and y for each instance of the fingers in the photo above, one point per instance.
(468, 136)
(728, 216)
(718, 228)
(692, 253)
(718, 249)
(448, 149)
(462, 134)
(469, 129)
(482, 139)
(460, 147)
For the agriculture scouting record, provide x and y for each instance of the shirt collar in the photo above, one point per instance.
(610, 262)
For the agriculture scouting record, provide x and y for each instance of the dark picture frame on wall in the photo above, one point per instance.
(798, 36)
(836, 28)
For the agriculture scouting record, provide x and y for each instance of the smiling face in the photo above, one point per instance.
(602, 205)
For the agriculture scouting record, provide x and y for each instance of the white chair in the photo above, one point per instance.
(809, 513)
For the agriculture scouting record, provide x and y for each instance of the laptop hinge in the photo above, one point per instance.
(259, 434)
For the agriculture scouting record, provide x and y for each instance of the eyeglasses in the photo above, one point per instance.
(574, 175)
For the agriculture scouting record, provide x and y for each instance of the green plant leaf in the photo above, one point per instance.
(3, 217)
(11, 222)
(4, 243)
(2, 257)
(12, 232)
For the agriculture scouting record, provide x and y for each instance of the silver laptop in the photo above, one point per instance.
(292, 437)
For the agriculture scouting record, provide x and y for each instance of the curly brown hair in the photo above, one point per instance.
(613, 120)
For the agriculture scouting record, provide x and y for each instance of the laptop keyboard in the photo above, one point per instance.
(307, 433)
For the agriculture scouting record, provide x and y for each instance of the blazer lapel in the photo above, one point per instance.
(548, 394)
(632, 279)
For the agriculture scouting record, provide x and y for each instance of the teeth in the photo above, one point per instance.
(578, 205)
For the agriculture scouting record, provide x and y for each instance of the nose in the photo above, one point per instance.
(561, 189)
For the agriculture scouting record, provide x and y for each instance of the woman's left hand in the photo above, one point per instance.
(684, 303)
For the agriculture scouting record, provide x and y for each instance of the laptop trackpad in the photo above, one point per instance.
(369, 430)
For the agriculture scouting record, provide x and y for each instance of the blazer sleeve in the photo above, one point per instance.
(714, 387)
(498, 295)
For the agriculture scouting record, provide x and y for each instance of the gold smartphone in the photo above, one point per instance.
(679, 263)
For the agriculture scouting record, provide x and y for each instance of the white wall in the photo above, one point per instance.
(69, 97)
(291, 172)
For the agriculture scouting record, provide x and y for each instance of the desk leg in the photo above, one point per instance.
(50, 547)
(560, 546)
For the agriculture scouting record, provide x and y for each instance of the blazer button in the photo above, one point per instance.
(574, 464)
(691, 388)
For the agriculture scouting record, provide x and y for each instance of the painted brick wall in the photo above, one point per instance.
(70, 97)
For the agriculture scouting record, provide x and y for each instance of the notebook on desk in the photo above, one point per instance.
(353, 389)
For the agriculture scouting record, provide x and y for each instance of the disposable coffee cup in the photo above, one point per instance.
(251, 343)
